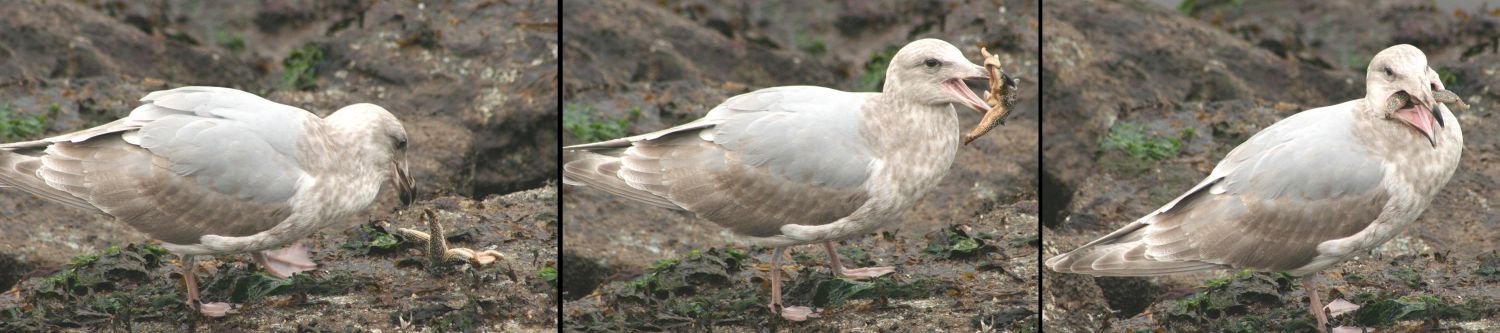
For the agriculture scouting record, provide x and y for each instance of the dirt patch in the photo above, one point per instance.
(1187, 89)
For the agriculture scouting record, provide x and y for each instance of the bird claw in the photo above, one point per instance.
(437, 248)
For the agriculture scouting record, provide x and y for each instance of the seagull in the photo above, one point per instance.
(209, 170)
(1304, 194)
(797, 165)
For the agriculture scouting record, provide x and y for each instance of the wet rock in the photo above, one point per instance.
(1417, 307)
(954, 243)
(584, 275)
(1128, 295)
(11, 270)
(1229, 296)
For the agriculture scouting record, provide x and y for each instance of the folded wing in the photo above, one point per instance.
(758, 161)
(190, 162)
(1266, 206)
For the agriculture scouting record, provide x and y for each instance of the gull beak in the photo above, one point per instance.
(1418, 114)
(404, 184)
(1437, 114)
(958, 89)
(1437, 85)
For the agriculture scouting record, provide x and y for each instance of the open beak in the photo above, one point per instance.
(957, 88)
(1447, 97)
(403, 182)
(1420, 116)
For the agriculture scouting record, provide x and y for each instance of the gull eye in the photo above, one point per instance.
(400, 143)
(931, 63)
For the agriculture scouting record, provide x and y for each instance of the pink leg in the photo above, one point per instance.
(1316, 305)
(857, 273)
(793, 313)
(191, 282)
(216, 309)
(286, 261)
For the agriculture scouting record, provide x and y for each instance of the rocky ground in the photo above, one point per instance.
(1143, 99)
(634, 67)
(475, 83)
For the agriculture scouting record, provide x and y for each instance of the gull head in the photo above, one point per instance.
(380, 144)
(932, 71)
(1400, 86)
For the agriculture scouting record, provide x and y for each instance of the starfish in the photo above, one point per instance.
(1400, 99)
(1001, 96)
(1451, 99)
(438, 251)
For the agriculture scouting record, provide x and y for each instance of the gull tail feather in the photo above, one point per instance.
(19, 171)
(586, 168)
(1123, 259)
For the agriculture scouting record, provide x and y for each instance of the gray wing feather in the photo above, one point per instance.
(803, 134)
(603, 171)
(20, 171)
(1266, 206)
(192, 161)
(758, 161)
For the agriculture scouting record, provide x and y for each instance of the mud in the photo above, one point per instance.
(635, 67)
(1142, 100)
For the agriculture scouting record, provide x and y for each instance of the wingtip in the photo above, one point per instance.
(1122, 259)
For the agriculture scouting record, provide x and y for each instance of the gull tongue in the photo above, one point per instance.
(1421, 118)
(957, 87)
